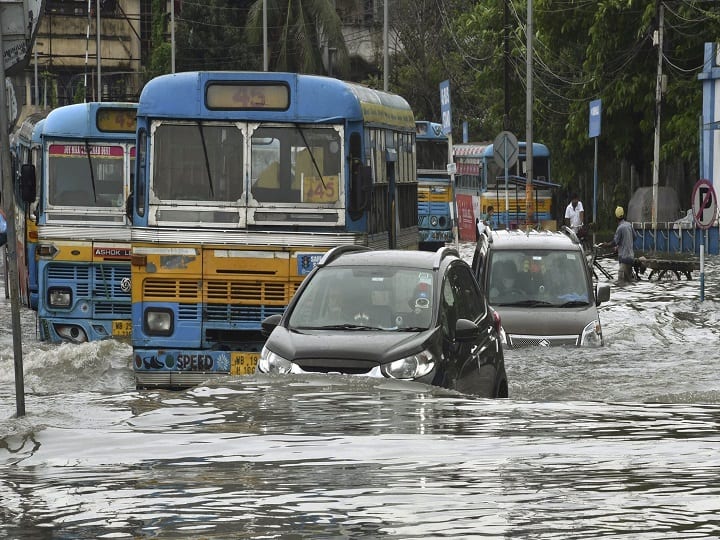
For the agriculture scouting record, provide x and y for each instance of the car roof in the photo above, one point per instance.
(533, 239)
(391, 257)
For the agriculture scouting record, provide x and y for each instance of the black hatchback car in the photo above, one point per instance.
(409, 315)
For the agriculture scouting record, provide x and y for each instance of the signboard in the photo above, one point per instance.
(445, 107)
(505, 149)
(595, 112)
(18, 24)
(704, 204)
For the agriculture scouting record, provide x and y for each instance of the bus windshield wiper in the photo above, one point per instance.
(312, 155)
(207, 159)
(92, 172)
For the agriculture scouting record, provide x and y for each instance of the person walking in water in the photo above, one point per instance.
(623, 244)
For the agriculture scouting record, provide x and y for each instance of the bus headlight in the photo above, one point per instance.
(158, 322)
(59, 297)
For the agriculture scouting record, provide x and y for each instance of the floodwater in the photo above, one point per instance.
(619, 442)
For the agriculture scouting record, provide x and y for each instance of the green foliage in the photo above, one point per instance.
(300, 33)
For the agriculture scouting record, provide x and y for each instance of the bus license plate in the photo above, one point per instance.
(243, 363)
(121, 328)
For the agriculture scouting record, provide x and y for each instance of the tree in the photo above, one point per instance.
(298, 34)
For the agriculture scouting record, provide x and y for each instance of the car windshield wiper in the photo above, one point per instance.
(527, 303)
(344, 327)
(574, 303)
(410, 329)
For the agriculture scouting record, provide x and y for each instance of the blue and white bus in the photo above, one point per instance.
(26, 156)
(244, 180)
(435, 191)
(83, 234)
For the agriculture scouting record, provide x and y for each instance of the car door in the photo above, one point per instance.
(474, 358)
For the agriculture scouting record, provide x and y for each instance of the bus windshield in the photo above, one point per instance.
(295, 164)
(199, 161)
(86, 175)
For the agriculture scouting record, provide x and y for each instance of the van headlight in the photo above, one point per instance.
(410, 367)
(158, 322)
(591, 335)
(270, 362)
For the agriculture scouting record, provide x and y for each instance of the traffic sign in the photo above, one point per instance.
(445, 111)
(505, 149)
(704, 204)
(18, 25)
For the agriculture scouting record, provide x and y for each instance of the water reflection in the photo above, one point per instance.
(617, 442)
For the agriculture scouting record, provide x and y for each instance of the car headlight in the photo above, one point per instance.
(270, 362)
(591, 335)
(59, 297)
(158, 321)
(410, 367)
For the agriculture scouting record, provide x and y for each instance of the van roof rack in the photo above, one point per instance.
(567, 231)
(443, 252)
(337, 251)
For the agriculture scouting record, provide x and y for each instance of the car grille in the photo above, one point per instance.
(347, 367)
(517, 340)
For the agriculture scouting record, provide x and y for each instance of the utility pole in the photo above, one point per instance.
(529, 115)
(658, 104)
(265, 36)
(172, 36)
(99, 55)
(11, 243)
(506, 55)
(386, 61)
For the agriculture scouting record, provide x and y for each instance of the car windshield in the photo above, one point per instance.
(366, 297)
(538, 279)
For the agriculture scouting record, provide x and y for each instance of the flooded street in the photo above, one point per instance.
(618, 442)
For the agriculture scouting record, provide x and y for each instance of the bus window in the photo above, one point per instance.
(199, 161)
(295, 165)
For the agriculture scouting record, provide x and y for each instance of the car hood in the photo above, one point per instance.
(368, 345)
(546, 321)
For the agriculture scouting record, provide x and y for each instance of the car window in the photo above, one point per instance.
(470, 304)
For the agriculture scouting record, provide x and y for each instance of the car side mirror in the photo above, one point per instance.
(269, 324)
(602, 293)
(466, 330)
(28, 191)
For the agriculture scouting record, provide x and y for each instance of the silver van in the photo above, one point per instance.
(541, 285)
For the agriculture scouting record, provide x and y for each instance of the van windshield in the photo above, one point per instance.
(538, 278)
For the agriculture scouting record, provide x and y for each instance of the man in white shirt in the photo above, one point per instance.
(574, 214)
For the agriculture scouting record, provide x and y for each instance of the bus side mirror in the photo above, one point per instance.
(28, 191)
(129, 207)
(360, 188)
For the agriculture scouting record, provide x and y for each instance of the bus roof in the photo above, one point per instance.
(485, 149)
(80, 120)
(312, 99)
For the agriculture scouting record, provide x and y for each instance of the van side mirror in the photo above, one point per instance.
(28, 189)
(360, 187)
(602, 293)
